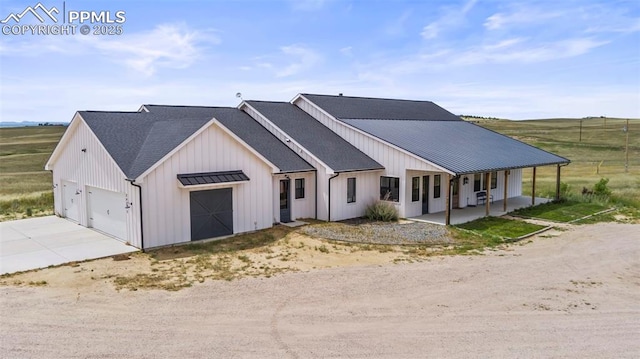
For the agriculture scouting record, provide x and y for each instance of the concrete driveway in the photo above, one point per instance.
(41, 242)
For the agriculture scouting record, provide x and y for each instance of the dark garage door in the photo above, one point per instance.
(211, 213)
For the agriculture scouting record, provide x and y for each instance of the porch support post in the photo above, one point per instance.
(487, 205)
(557, 182)
(447, 211)
(506, 180)
(533, 188)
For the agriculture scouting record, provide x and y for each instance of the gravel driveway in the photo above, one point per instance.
(575, 295)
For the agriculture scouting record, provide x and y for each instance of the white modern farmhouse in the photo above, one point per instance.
(171, 174)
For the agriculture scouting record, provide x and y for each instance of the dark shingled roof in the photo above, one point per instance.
(138, 140)
(368, 108)
(245, 127)
(458, 146)
(329, 147)
(135, 140)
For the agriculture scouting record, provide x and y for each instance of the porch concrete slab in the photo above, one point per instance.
(45, 241)
(294, 224)
(468, 214)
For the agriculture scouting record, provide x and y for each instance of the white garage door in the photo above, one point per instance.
(107, 212)
(70, 200)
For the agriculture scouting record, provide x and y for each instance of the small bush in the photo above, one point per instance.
(601, 188)
(565, 189)
(382, 211)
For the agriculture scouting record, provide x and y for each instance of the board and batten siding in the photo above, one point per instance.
(367, 193)
(514, 188)
(301, 207)
(395, 161)
(167, 206)
(92, 168)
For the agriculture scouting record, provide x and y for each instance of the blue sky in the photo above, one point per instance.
(508, 59)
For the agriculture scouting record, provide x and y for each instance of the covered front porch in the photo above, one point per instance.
(467, 214)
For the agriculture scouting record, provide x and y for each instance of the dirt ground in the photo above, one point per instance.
(576, 294)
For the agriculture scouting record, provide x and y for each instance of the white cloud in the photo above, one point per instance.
(397, 26)
(347, 51)
(170, 46)
(451, 17)
(430, 31)
(522, 16)
(166, 46)
(308, 5)
(507, 52)
(300, 58)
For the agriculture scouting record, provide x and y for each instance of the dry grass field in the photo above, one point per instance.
(598, 153)
(24, 184)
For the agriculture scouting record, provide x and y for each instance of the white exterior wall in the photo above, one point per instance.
(514, 187)
(301, 207)
(403, 165)
(367, 192)
(413, 209)
(167, 206)
(395, 161)
(91, 168)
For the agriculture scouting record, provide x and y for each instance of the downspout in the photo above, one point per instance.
(316, 191)
(139, 205)
(329, 201)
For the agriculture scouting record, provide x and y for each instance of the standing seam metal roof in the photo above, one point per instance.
(459, 146)
(434, 134)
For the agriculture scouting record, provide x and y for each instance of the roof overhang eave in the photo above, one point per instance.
(562, 163)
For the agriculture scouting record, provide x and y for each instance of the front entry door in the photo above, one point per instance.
(425, 194)
(285, 202)
(456, 195)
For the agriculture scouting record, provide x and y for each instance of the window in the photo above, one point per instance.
(390, 189)
(299, 188)
(494, 180)
(351, 190)
(436, 186)
(415, 189)
(477, 178)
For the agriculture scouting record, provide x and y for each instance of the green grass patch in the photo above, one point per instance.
(500, 227)
(563, 211)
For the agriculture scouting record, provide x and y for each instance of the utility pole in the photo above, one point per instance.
(580, 140)
(626, 148)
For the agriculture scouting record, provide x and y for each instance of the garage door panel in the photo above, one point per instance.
(70, 200)
(107, 212)
(211, 213)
